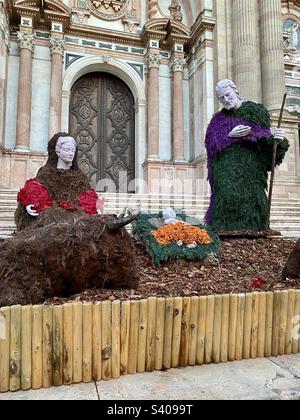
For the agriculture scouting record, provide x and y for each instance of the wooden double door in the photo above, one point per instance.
(102, 120)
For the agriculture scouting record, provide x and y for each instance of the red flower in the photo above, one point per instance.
(148, 262)
(36, 194)
(66, 205)
(258, 283)
(87, 201)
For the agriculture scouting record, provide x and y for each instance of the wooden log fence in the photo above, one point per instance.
(44, 346)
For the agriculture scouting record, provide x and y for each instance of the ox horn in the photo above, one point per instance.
(122, 221)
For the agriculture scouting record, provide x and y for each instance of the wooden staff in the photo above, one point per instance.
(274, 164)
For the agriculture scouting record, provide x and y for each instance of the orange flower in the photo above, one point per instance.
(181, 232)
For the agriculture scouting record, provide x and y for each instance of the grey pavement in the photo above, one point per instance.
(261, 379)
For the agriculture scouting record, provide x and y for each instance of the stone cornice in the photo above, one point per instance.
(202, 24)
(53, 11)
(86, 31)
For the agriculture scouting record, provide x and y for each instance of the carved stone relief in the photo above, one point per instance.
(291, 40)
(109, 9)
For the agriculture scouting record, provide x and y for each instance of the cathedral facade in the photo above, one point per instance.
(133, 81)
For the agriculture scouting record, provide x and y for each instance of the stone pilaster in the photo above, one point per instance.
(26, 43)
(177, 66)
(4, 45)
(246, 48)
(271, 53)
(153, 61)
(57, 52)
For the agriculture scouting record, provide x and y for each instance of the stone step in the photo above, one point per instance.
(13, 194)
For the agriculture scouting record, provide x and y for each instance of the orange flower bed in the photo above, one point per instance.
(181, 232)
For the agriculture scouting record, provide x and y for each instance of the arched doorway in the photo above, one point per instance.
(102, 119)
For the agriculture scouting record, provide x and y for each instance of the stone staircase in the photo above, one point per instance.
(285, 213)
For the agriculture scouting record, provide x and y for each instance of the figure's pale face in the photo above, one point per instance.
(228, 98)
(66, 153)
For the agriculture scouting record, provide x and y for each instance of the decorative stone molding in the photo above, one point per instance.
(57, 46)
(26, 41)
(130, 26)
(294, 109)
(178, 64)
(108, 9)
(153, 60)
(80, 17)
(4, 27)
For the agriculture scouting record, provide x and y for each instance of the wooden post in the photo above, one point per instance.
(193, 331)
(216, 348)
(269, 324)
(200, 356)
(289, 328)
(26, 355)
(77, 342)
(262, 325)
(15, 348)
(106, 340)
(254, 327)
(276, 323)
(133, 337)
(4, 350)
(151, 338)
(296, 324)
(58, 345)
(63, 338)
(142, 339)
(209, 328)
(47, 347)
(87, 353)
(184, 341)
(160, 328)
(125, 328)
(116, 330)
(240, 327)
(169, 312)
(97, 340)
(247, 326)
(225, 328)
(177, 317)
(37, 347)
(283, 321)
(232, 327)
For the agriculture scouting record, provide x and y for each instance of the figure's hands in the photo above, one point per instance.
(240, 131)
(30, 210)
(279, 134)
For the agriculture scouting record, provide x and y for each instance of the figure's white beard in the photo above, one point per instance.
(234, 105)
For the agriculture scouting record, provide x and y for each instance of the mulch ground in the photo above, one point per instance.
(245, 265)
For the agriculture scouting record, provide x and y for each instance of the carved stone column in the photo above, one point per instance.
(57, 52)
(246, 48)
(153, 60)
(178, 64)
(26, 43)
(271, 53)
